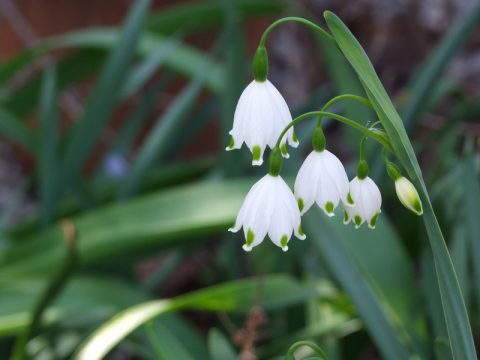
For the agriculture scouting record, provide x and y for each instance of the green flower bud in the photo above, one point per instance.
(408, 195)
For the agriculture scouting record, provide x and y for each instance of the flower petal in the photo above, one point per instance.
(306, 183)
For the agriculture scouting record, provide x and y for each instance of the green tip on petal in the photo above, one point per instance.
(250, 238)
(284, 242)
(233, 228)
(350, 200)
(408, 195)
(417, 205)
(300, 234)
(256, 152)
(231, 144)
(300, 230)
(301, 204)
(329, 207)
(357, 220)
(294, 137)
(373, 221)
(346, 217)
(283, 150)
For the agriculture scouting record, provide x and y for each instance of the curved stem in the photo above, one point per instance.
(311, 345)
(362, 148)
(384, 155)
(363, 129)
(310, 24)
(356, 98)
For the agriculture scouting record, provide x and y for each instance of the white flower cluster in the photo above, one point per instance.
(270, 208)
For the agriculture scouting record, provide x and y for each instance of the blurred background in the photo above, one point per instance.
(115, 188)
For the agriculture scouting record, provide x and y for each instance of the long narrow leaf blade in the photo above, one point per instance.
(233, 296)
(105, 94)
(460, 335)
(14, 130)
(48, 152)
(162, 135)
(347, 273)
(472, 200)
(429, 74)
(219, 346)
(154, 221)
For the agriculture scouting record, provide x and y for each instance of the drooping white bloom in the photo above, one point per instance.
(269, 208)
(321, 179)
(408, 195)
(368, 201)
(260, 116)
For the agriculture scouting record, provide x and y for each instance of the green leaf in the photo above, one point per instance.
(182, 329)
(432, 297)
(104, 96)
(343, 267)
(345, 82)
(13, 129)
(396, 288)
(163, 135)
(471, 191)
(69, 70)
(146, 69)
(277, 291)
(165, 344)
(200, 15)
(460, 258)
(430, 73)
(48, 147)
(219, 346)
(14, 64)
(182, 59)
(101, 296)
(124, 140)
(104, 193)
(460, 335)
(381, 102)
(132, 227)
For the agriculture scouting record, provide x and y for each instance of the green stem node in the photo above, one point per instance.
(362, 169)
(275, 162)
(393, 171)
(318, 139)
(260, 64)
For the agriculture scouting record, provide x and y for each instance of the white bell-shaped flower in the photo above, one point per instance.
(368, 201)
(321, 179)
(269, 208)
(260, 116)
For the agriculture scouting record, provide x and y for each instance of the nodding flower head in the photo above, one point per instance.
(260, 117)
(269, 209)
(367, 200)
(321, 179)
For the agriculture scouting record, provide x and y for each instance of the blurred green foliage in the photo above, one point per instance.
(355, 293)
